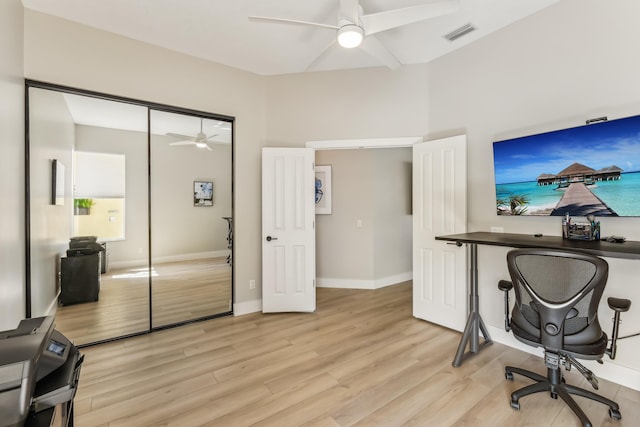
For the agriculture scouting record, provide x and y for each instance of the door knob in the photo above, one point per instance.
(269, 238)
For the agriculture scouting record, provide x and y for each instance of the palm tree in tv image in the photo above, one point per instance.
(517, 205)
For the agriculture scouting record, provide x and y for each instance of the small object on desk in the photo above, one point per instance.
(615, 239)
(537, 235)
(581, 230)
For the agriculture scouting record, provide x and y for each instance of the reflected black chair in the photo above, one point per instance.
(557, 297)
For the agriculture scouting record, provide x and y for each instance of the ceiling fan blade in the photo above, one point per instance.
(349, 10)
(373, 47)
(321, 55)
(178, 135)
(208, 148)
(377, 22)
(212, 136)
(293, 21)
(182, 143)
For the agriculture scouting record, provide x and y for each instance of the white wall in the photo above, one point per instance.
(67, 53)
(337, 234)
(178, 227)
(51, 136)
(353, 104)
(393, 227)
(12, 259)
(372, 186)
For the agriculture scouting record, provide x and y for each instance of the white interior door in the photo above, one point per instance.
(439, 207)
(288, 230)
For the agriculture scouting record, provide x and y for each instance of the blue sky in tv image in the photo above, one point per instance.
(519, 162)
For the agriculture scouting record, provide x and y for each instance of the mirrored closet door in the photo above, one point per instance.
(89, 240)
(190, 213)
(129, 213)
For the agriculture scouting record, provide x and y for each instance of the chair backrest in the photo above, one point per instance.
(557, 296)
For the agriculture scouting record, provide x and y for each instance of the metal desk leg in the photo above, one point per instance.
(474, 325)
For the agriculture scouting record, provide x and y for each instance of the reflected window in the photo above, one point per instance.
(99, 195)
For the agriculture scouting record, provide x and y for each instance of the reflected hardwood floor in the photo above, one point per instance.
(181, 291)
(360, 360)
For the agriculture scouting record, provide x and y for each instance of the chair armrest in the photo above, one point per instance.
(619, 305)
(505, 285)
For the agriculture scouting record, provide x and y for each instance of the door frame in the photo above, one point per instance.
(398, 142)
(351, 144)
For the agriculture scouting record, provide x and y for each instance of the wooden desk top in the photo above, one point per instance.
(628, 249)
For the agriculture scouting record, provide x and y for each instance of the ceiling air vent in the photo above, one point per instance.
(459, 32)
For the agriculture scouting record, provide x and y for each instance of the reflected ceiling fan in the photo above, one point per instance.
(355, 29)
(201, 140)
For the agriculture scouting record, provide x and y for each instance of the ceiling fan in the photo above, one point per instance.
(355, 29)
(201, 140)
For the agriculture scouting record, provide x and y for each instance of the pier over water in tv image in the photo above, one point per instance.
(586, 170)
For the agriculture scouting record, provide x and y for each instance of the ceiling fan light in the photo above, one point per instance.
(350, 36)
(201, 144)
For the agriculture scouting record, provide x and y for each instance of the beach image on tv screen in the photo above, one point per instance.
(586, 170)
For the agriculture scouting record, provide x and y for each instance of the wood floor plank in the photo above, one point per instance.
(181, 291)
(277, 403)
(361, 359)
(446, 410)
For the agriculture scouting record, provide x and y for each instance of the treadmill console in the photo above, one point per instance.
(39, 369)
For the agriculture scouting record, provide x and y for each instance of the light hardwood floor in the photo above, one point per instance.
(181, 291)
(361, 359)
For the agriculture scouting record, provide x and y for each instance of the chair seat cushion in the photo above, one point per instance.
(592, 350)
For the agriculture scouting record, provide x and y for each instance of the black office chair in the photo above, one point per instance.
(557, 297)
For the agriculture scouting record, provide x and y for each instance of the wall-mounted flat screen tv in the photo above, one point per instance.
(586, 170)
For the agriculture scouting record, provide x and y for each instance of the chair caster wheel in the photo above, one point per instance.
(615, 414)
(515, 405)
(508, 376)
(554, 395)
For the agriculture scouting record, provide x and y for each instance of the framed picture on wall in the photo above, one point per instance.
(323, 190)
(202, 193)
(57, 182)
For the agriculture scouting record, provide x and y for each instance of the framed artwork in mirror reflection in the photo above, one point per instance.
(202, 193)
(57, 182)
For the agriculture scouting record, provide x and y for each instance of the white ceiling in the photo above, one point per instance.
(220, 31)
(90, 111)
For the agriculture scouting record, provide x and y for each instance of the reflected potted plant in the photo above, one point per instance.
(82, 206)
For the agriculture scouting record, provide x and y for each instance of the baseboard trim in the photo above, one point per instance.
(247, 307)
(171, 258)
(323, 282)
(610, 370)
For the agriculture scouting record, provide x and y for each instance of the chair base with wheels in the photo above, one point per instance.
(555, 384)
(551, 317)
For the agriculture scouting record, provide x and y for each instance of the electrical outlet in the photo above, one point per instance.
(497, 229)
(252, 284)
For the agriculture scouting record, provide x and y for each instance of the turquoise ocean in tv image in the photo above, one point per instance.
(620, 195)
